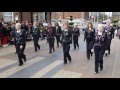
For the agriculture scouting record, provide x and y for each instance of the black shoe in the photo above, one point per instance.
(38, 48)
(96, 72)
(91, 54)
(106, 54)
(35, 50)
(88, 58)
(101, 69)
(20, 64)
(25, 59)
(109, 53)
(50, 52)
(65, 62)
(70, 60)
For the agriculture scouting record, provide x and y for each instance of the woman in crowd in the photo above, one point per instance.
(36, 35)
(76, 34)
(89, 37)
(99, 47)
(66, 41)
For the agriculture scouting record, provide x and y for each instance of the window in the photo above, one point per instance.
(8, 16)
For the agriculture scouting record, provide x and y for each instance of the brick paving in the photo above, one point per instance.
(41, 64)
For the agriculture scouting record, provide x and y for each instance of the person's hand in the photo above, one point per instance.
(106, 51)
(92, 50)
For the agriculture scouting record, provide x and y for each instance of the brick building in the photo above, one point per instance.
(32, 16)
(25, 16)
(64, 15)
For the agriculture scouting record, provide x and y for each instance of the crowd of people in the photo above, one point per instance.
(6, 28)
(97, 40)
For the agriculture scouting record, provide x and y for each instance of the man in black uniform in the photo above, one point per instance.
(110, 35)
(51, 37)
(66, 41)
(58, 33)
(76, 34)
(20, 36)
(36, 36)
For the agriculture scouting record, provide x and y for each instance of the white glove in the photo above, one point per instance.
(70, 44)
(45, 37)
(21, 47)
(106, 51)
(92, 50)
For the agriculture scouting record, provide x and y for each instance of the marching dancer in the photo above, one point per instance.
(89, 37)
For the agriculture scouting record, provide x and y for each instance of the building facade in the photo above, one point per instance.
(33, 16)
(115, 16)
(64, 15)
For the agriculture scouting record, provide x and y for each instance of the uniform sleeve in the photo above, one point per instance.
(61, 41)
(60, 30)
(78, 32)
(112, 32)
(85, 35)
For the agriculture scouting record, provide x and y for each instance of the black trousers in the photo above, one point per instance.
(108, 44)
(99, 52)
(20, 53)
(36, 45)
(15, 45)
(51, 44)
(75, 39)
(58, 40)
(89, 46)
(66, 49)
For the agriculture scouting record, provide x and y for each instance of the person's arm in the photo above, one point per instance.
(112, 32)
(85, 35)
(78, 32)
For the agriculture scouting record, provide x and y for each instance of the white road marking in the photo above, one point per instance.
(18, 68)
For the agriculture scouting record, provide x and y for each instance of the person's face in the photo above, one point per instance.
(108, 23)
(75, 26)
(65, 26)
(35, 23)
(26, 23)
(89, 25)
(17, 27)
(50, 25)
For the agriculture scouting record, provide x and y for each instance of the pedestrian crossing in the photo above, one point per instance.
(66, 74)
(4, 63)
(47, 69)
(18, 68)
(15, 68)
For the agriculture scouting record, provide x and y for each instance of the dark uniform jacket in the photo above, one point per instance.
(66, 37)
(76, 32)
(50, 32)
(100, 40)
(89, 35)
(109, 31)
(20, 37)
(35, 32)
(58, 30)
